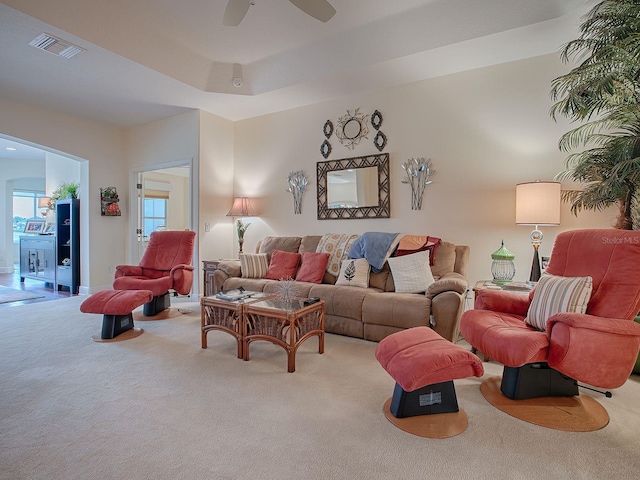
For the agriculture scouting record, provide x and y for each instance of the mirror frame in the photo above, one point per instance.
(382, 210)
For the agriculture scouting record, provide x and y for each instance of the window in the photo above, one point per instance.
(155, 215)
(25, 206)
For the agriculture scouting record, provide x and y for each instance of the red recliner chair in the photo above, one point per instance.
(165, 265)
(598, 347)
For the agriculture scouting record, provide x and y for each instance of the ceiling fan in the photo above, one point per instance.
(237, 9)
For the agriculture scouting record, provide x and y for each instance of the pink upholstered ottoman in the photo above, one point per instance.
(116, 307)
(424, 365)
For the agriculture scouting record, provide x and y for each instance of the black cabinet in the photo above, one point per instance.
(68, 244)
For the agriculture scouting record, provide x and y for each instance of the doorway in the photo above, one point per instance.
(164, 197)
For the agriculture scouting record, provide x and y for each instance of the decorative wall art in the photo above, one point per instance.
(354, 188)
(297, 185)
(380, 141)
(352, 128)
(325, 148)
(109, 202)
(418, 172)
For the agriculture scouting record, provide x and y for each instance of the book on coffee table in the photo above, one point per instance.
(234, 295)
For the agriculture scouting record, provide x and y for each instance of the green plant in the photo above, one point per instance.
(64, 191)
(603, 91)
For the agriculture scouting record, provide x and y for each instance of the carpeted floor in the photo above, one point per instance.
(160, 407)
(8, 295)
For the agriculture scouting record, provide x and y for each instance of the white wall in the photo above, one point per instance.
(216, 187)
(485, 130)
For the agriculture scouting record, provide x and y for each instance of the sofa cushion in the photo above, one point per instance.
(554, 294)
(283, 265)
(400, 310)
(313, 267)
(309, 243)
(411, 273)
(445, 259)
(285, 244)
(354, 272)
(253, 265)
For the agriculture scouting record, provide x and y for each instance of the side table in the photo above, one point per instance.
(208, 267)
(284, 323)
(225, 316)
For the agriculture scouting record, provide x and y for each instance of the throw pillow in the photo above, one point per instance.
(354, 272)
(555, 294)
(313, 267)
(411, 273)
(253, 265)
(283, 265)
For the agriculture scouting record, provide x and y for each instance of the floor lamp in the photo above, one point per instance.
(538, 204)
(241, 208)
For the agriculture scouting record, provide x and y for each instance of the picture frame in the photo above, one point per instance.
(49, 228)
(34, 225)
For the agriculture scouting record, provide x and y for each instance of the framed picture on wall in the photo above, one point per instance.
(34, 226)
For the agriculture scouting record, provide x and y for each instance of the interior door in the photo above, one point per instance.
(163, 202)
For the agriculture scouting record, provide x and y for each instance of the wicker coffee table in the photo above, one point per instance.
(225, 316)
(284, 323)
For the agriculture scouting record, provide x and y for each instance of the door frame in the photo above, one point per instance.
(193, 208)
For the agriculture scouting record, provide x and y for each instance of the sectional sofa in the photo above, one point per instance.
(374, 312)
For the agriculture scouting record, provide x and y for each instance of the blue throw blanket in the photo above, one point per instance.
(375, 247)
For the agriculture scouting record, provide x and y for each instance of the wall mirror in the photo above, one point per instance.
(353, 188)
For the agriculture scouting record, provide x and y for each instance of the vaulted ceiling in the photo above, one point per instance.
(148, 59)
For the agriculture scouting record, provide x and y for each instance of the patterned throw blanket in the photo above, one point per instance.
(337, 245)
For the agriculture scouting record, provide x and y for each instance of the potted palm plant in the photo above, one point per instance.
(603, 94)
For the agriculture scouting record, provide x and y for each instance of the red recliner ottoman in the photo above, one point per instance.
(424, 365)
(116, 307)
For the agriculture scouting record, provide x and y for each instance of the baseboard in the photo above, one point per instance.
(7, 270)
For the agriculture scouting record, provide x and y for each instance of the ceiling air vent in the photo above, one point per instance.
(56, 45)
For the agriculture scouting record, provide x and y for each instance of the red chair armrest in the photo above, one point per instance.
(181, 267)
(615, 326)
(182, 276)
(128, 270)
(502, 301)
(595, 350)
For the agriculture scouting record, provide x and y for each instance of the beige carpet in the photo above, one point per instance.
(8, 295)
(160, 407)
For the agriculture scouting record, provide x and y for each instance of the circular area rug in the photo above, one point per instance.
(571, 414)
(129, 334)
(163, 315)
(439, 425)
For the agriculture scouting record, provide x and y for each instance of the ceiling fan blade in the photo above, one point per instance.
(318, 9)
(235, 12)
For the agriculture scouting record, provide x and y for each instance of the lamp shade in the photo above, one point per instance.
(241, 208)
(43, 202)
(538, 203)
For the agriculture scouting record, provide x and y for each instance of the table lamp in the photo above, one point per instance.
(538, 204)
(44, 205)
(241, 208)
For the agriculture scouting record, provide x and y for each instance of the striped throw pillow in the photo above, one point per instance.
(555, 294)
(253, 265)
